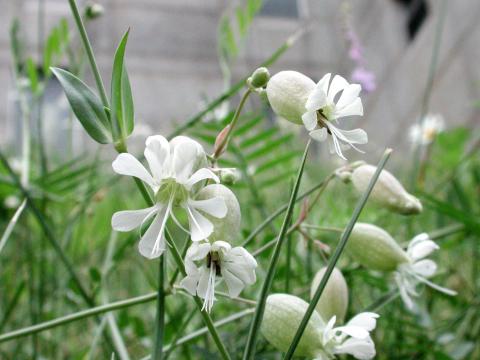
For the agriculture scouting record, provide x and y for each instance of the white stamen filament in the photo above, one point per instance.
(156, 247)
(210, 293)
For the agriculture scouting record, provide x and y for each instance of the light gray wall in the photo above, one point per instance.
(173, 64)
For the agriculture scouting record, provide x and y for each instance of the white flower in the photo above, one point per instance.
(177, 173)
(206, 262)
(353, 338)
(409, 275)
(426, 131)
(322, 110)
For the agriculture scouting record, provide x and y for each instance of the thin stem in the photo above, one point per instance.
(239, 85)
(221, 147)
(282, 209)
(77, 316)
(446, 231)
(89, 51)
(260, 308)
(322, 228)
(160, 319)
(338, 251)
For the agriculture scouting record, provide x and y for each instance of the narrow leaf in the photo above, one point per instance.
(86, 106)
(122, 101)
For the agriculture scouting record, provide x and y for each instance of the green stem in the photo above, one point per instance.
(338, 251)
(322, 228)
(89, 51)
(220, 148)
(77, 316)
(282, 209)
(260, 308)
(236, 87)
(160, 319)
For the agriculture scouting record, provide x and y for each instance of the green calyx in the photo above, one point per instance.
(170, 190)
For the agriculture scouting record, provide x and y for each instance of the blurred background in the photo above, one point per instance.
(176, 62)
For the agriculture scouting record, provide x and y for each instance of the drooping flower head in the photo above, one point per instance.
(321, 341)
(322, 111)
(353, 338)
(376, 249)
(418, 270)
(177, 174)
(426, 131)
(206, 263)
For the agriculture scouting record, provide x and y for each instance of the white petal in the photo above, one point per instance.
(221, 246)
(184, 159)
(319, 134)
(426, 268)
(366, 320)
(199, 175)
(127, 164)
(200, 226)
(360, 349)
(349, 94)
(234, 284)
(355, 136)
(157, 153)
(130, 219)
(323, 83)
(317, 99)
(404, 293)
(422, 249)
(190, 283)
(215, 207)
(417, 239)
(327, 331)
(354, 331)
(198, 251)
(310, 120)
(354, 108)
(203, 281)
(338, 84)
(336, 146)
(152, 243)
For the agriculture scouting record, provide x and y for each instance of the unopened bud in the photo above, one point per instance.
(229, 176)
(221, 141)
(259, 78)
(387, 192)
(334, 299)
(282, 317)
(374, 248)
(287, 92)
(93, 11)
(228, 227)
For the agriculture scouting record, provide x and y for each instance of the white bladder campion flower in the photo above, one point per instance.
(353, 338)
(205, 263)
(426, 131)
(418, 270)
(296, 98)
(322, 111)
(376, 249)
(177, 174)
(283, 315)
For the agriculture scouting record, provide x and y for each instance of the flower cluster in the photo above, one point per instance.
(179, 179)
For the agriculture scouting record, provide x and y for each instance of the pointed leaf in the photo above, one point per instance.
(86, 106)
(122, 102)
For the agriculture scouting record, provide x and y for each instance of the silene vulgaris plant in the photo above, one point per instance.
(188, 190)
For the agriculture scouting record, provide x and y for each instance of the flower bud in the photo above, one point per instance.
(282, 317)
(374, 248)
(229, 176)
(93, 11)
(387, 192)
(287, 92)
(334, 299)
(259, 78)
(227, 228)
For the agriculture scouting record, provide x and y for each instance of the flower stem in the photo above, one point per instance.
(267, 284)
(336, 255)
(89, 51)
(322, 228)
(160, 318)
(221, 147)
